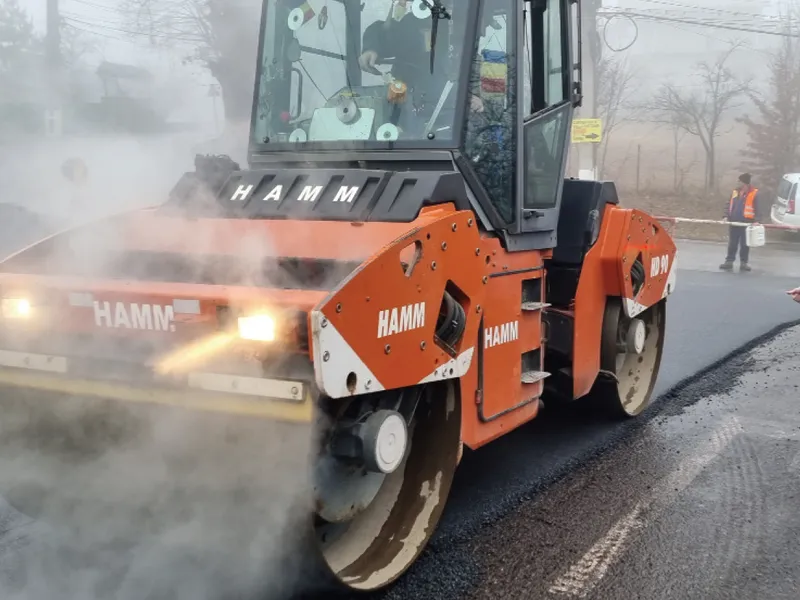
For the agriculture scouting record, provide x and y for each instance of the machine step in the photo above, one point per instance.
(534, 376)
(531, 306)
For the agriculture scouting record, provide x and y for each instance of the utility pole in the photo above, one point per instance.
(53, 114)
(590, 51)
(53, 39)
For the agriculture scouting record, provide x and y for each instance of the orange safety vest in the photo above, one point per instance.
(749, 207)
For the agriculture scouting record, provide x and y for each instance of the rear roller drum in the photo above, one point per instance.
(382, 480)
(630, 358)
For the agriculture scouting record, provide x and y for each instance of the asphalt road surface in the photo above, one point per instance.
(699, 503)
(694, 499)
(499, 491)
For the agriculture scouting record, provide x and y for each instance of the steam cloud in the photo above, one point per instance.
(102, 500)
(163, 505)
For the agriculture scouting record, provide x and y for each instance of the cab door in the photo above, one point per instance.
(545, 63)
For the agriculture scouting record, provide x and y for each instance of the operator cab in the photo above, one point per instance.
(482, 88)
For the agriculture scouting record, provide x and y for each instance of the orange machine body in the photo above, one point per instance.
(375, 328)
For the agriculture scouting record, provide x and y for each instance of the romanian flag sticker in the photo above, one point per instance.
(300, 16)
(494, 72)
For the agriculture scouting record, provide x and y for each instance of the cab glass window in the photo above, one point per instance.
(527, 60)
(545, 131)
(545, 141)
(554, 50)
(491, 122)
(545, 59)
(374, 72)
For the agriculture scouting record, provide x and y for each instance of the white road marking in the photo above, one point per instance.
(581, 578)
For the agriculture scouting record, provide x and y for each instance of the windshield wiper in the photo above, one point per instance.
(438, 11)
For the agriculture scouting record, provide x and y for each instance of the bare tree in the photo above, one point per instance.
(223, 35)
(678, 134)
(702, 111)
(18, 44)
(682, 170)
(22, 52)
(774, 147)
(614, 94)
(75, 44)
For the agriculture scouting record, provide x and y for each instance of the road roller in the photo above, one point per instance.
(402, 269)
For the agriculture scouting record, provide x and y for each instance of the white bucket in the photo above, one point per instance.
(756, 236)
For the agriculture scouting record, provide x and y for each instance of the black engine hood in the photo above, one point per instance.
(219, 188)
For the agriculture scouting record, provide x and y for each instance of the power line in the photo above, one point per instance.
(173, 37)
(53, 35)
(706, 8)
(652, 17)
(114, 9)
(717, 39)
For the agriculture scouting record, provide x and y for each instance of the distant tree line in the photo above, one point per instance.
(774, 130)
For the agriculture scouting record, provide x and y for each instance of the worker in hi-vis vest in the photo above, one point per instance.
(742, 207)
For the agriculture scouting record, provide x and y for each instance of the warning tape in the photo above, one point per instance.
(676, 220)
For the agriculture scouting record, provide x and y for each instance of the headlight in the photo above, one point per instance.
(260, 328)
(16, 308)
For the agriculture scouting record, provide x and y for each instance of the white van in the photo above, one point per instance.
(784, 209)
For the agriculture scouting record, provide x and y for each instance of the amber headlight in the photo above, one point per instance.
(16, 308)
(259, 328)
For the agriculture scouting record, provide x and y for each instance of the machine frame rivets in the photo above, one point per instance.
(326, 356)
(387, 348)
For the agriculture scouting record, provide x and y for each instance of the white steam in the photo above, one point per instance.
(174, 506)
(103, 500)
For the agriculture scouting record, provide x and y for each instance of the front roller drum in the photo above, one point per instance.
(224, 503)
(373, 522)
(630, 358)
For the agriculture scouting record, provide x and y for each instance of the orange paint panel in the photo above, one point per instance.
(503, 392)
(590, 300)
(249, 296)
(530, 331)
(503, 346)
(61, 315)
(475, 434)
(646, 237)
(374, 313)
(389, 318)
(606, 272)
